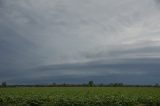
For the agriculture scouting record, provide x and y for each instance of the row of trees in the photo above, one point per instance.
(89, 84)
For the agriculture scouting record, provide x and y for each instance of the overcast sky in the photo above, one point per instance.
(74, 41)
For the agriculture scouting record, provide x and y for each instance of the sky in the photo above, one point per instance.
(74, 41)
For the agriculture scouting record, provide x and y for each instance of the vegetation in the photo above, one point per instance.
(91, 83)
(4, 84)
(80, 96)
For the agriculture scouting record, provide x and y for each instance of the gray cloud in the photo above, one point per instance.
(126, 70)
(36, 36)
(157, 1)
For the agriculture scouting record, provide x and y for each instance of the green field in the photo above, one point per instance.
(80, 96)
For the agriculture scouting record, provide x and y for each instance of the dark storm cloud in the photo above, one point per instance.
(126, 65)
(132, 71)
(1, 3)
(14, 48)
(70, 40)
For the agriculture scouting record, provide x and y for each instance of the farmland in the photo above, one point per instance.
(80, 96)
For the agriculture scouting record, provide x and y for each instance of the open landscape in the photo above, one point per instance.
(79, 52)
(80, 96)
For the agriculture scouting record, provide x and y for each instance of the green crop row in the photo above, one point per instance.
(77, 101)
(79, 97)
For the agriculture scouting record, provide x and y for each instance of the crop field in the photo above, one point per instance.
(80, 96)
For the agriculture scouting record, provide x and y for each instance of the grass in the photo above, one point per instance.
(80, 96)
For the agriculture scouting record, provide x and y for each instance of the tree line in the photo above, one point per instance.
(89, 84)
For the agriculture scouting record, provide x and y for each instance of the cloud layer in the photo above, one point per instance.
(76, 41)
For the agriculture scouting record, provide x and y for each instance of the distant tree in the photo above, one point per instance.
(156, 85)
(120, 84)
(64, 84)
(101, 84)
(53, 84)
(116, 84)
(4, 84)
(91, 83)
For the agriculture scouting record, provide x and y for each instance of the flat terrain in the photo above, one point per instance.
(80, 96)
